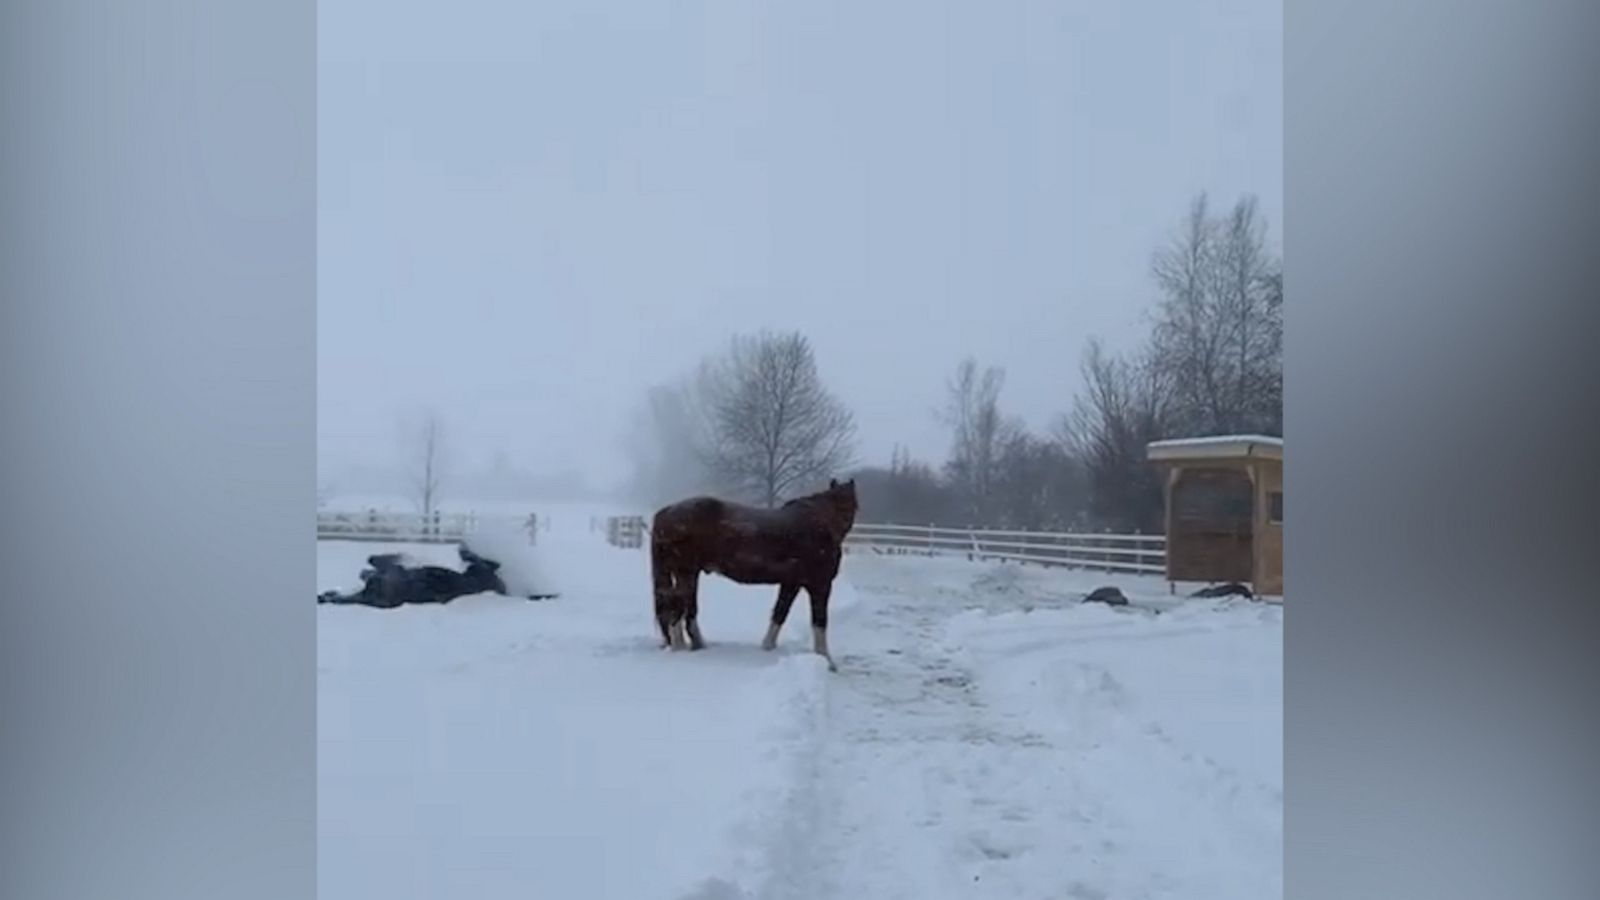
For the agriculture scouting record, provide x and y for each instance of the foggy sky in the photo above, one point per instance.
(530, 212)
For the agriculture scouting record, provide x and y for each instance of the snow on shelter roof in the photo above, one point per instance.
(1222, 445)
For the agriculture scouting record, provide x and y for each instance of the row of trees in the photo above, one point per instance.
(1211, 364)
(757, 423)
(997, 474)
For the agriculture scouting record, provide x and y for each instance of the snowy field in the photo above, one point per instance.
(984, 737)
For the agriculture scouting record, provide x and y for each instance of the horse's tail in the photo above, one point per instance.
(663, 598)
(660, 570)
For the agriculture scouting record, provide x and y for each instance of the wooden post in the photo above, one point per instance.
(1166, 521)
(1258, 520)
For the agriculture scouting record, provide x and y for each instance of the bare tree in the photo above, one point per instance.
(1213, 364)
(972, 410)
(772, 428)
(1039, 486)
(427, 463)
(1218, 332)
(1123, 407)
(1268, 388)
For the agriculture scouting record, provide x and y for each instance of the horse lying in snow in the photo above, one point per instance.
(797, 545)
(389, 583)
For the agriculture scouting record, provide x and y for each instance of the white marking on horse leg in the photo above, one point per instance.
(771, 640)
(819, 643)
(678, 641)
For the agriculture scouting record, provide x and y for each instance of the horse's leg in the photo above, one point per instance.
(691, 610)
(675, 612)
(665, 600)
(661, 581)
(680, 594)
(819, 594)
(780, 612)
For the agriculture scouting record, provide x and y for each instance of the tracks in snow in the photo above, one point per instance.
(917, 787)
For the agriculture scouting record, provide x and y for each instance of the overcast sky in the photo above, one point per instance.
(532, 211)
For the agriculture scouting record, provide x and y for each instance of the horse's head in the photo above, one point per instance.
(843, 497)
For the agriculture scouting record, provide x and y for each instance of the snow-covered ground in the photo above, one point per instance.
(984, 737)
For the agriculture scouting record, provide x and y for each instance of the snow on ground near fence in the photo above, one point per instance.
(985, 737)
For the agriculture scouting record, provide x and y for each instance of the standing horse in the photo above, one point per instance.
(797, 545)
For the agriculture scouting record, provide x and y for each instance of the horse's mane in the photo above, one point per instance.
(827, 503)
(829, 497)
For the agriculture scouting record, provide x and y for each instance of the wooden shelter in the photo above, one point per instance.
(1224, 498)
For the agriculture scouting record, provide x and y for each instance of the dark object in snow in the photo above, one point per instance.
(797, 545)
(1110, 596)
(1231, 589)
(390, 583)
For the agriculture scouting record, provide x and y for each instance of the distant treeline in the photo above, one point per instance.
(757, 422)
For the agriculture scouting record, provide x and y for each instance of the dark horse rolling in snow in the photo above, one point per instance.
(797, 545)
(390, 583)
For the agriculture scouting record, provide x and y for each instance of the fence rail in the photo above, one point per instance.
(1145, 554)
(1136, 553)
(625, 531)
(1102, 551)
(436, 528)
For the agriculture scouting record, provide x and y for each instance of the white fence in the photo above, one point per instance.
(437, 528)
(1105, 552)
(625, 531)
(1145, 554)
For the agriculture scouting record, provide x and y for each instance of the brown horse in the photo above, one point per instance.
(797, 545)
